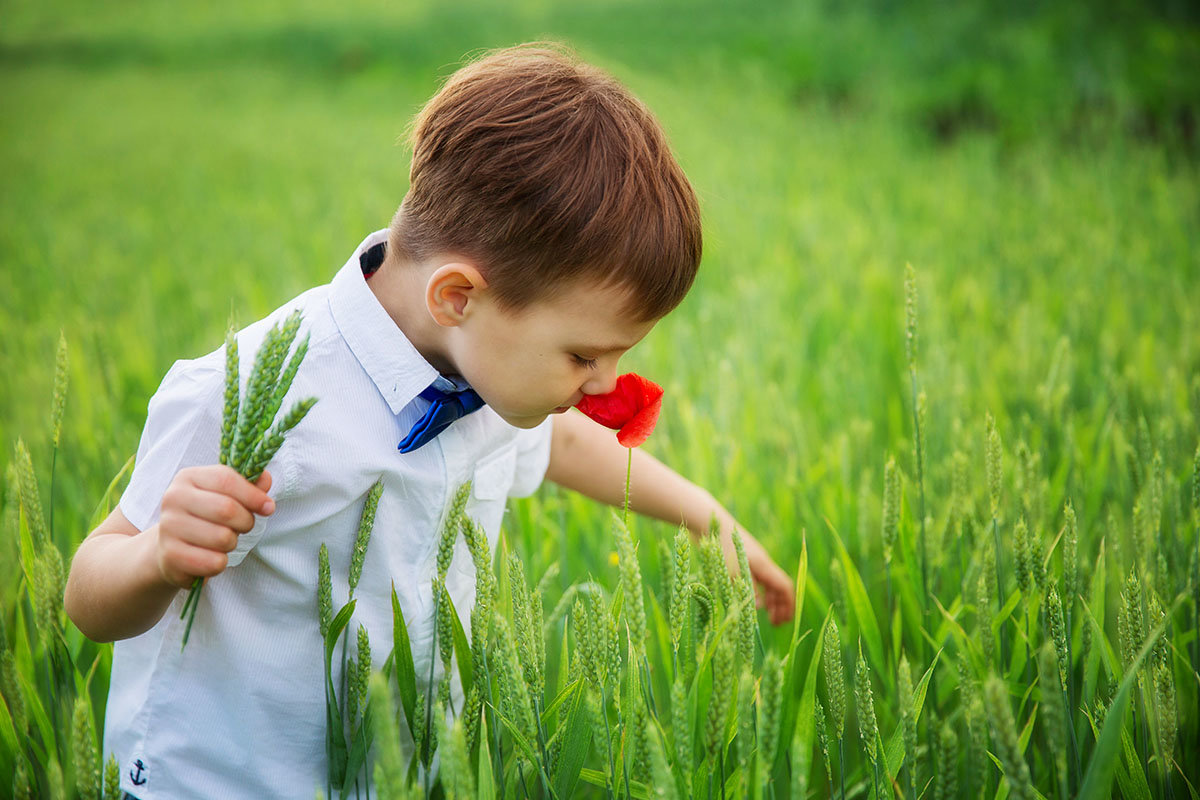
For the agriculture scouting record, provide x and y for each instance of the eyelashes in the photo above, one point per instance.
(590, 363)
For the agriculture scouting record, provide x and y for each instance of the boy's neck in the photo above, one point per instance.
(400, 289)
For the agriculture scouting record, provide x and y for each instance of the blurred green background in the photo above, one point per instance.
(166, 165)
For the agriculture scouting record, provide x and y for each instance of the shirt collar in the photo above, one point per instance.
(385, 353)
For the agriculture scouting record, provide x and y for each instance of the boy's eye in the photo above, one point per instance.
(590, 363)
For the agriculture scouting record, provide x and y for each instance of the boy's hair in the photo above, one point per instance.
(544, 170)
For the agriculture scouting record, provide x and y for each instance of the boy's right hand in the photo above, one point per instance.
(203, 511)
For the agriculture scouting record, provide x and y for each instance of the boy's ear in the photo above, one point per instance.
(451, 290)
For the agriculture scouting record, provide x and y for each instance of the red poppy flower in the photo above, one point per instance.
(631, 409)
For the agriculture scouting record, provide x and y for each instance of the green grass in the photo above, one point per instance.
(165, 166)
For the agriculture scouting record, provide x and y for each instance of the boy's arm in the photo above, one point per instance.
(586, 457)
(122, 580)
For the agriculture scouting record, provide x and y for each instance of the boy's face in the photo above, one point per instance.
(544, 358)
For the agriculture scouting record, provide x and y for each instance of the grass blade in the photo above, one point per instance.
(1098, 778)
(406, 673)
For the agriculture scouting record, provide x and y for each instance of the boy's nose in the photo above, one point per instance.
(603, 382)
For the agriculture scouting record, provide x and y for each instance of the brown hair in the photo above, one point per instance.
(544, 170)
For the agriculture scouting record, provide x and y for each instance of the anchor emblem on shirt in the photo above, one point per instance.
(137, 778)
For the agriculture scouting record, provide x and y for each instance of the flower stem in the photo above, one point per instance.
(628, 474)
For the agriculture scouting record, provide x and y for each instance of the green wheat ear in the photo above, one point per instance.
(30, 499)
(992, 458)
(229, 411)
(660, 772)
(891, 508)
(745, 718)
(864, 700)
(747, 618)
(723, 690)
(1131, 623)
(631, 583)
(1053, 713)
(947, 760)
(22, 785)
(1022, 558)
(450, 529)
(324, 591)
(908, 719)
(835, 680)
(366, 524)
(983, 614)
(1004, 737)
(679, 586)
(1058, 632)
(679, 724)
(1168, 715)
(83, 750)
(112, 779)
(1070, 576)
(10, 689)
(821, 726)
(770, 702)
(60, 389)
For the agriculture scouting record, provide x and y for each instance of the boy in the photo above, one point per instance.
(546, 229)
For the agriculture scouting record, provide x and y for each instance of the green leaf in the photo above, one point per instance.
(8, 731)
(574, 749)
(803, 722)
(357, 756)
(340, 620)
(104, 507)
(1098, 778)
(597, 778)
(1006, 611)
(335, 737)
(894, 752)
(485, 784)
(1191, 789)
(37, 712)
(864, 615)
(406, 673)
(566, 694)
(1137, 788)
(1107, 655)
(462, 649)
(519, 739)
(1091, 671)
(801, 580)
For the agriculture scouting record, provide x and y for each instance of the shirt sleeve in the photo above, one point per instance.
(183, 429)
(533, 458)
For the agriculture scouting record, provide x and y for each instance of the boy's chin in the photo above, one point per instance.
(524, 421)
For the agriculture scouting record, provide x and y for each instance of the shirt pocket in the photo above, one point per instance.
(494, 475)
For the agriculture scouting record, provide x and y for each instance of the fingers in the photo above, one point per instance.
(264, 484)
(225, 480)
(203, 512)
(779, 594)
(180, 562)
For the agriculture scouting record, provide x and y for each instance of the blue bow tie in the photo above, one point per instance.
(447, 407)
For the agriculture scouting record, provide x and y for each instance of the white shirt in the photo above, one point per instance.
(240, 712)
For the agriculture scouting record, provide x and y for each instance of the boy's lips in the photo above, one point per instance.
(574, 401)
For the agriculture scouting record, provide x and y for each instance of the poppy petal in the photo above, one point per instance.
(632, 407)
(638, 429)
